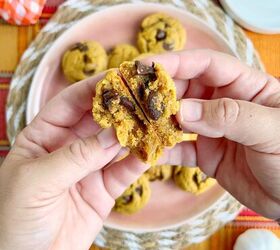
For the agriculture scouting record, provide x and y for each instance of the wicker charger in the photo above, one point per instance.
(68, 14)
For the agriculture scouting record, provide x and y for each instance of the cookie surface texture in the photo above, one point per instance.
(155, 92)
(116, 104)
(83, 60)
(160, 32)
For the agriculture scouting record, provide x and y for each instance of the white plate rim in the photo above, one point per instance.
(248, 25)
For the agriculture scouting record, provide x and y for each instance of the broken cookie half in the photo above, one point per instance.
(140, 102)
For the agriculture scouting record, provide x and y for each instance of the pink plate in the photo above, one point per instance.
(169, 206)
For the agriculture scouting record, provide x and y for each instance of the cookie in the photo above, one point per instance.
(84, 60)
(155, 92)
(135, 197)
(121, 53)
(192, 180)
(159, 33)
(161, 172)
(115, 104)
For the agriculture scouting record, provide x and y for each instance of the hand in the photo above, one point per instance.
(54, 191)
(236, 112)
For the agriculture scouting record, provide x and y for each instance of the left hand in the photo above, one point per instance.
(54, 191)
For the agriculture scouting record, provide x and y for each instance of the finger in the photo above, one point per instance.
(86, 126)
(215, 69)
(183, 154)
(94, 192)
(66, 166)
(181, 87)
(118, 176)
(49, 129)
(247, 123)
(67, 108)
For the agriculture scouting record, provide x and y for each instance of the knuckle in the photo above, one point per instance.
(81, 151)
(226, 111)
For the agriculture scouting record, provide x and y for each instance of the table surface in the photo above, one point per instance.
(14, 40)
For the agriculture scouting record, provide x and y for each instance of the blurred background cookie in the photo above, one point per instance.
(191, 179)
(159, 33)
(161, 172)
(84, 60)
(121, 53)
(135, 197)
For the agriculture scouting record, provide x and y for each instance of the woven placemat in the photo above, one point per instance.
(68, 14)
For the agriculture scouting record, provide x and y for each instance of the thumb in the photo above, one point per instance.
(68, 165)
(240, 121)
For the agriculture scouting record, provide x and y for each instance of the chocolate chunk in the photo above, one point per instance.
(80, 46)
(86, 59)
(203, 177)
(153, 110)
(141, 92)
(108, 97)
(168, 46)
(161, 35)
(139, 190)
(127, 198)
(143, 69)
(89, 72)
(127, 103)
(195, 178)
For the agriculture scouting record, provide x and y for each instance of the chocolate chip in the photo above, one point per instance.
(141, 92)
(80, 46)
(143, 69)
(161, 35)
(195, 178)
(139, 190)
(152, 106)
(127, 198)
(89, 72)
(127, 103)
(86, 59)
(108, 96)
(168, 46)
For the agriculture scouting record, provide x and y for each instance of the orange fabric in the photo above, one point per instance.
(268, 47)
(21, 12)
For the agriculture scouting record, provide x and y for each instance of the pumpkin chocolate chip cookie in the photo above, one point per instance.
(155, 92)
(84, 60)
(121, 53)
(161, 172)
(135, 197)
(192, 180)
(140, 102)
(159, 33)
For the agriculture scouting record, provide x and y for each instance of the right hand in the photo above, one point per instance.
(235, 110)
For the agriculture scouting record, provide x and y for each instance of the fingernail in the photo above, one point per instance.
(190, 111)
(107, 138)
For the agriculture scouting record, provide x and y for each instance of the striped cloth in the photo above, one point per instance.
(14, 40)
